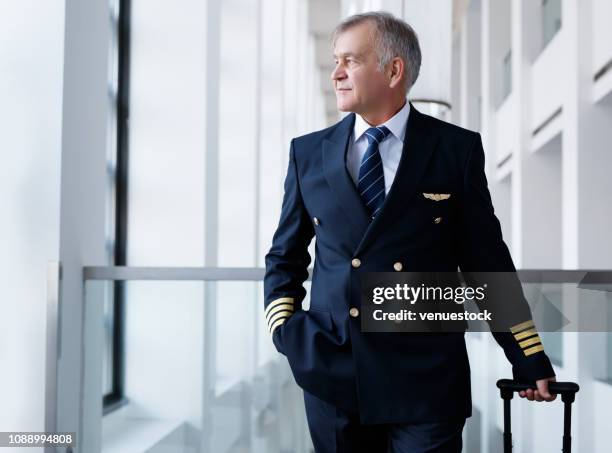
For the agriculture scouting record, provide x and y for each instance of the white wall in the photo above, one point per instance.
(30, 134)
(553, 197)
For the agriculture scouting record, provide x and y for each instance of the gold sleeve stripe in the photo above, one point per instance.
(277, 323)
(280, 300)
(277, 308)
(280, 314)
(525, 334)
(521, 326)
(529, 342)
(533, 350)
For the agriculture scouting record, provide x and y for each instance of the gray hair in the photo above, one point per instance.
(394, 38)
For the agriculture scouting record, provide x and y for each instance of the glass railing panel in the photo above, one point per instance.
(200, 372)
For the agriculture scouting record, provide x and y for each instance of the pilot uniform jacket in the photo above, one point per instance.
(386, 377)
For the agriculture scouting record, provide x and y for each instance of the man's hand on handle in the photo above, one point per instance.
(542, 393)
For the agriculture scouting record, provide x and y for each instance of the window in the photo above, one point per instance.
(211, 91)
(551, 20)
(507, 75)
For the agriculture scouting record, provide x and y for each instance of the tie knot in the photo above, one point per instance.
(377, 134)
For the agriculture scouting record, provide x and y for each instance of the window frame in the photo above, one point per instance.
(116, 397)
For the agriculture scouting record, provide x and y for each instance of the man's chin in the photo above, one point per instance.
(345, 107)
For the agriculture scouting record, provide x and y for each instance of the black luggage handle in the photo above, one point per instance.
(567, 390)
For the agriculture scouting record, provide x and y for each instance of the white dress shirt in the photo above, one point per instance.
(390, 149)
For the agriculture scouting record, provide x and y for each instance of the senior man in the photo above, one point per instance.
(385, 189)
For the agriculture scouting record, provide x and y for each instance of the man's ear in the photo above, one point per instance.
(396, 73)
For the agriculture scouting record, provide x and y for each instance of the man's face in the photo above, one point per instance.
(359, 85)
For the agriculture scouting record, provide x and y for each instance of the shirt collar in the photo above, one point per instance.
(396, 124)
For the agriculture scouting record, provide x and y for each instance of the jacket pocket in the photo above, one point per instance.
(322, 317)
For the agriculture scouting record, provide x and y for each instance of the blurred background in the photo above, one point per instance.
(144, 146)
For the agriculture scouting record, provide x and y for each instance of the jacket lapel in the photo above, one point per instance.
(337, 176)
(419, 144)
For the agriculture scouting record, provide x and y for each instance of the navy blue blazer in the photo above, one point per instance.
(385, 377)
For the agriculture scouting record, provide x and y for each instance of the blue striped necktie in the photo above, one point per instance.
(371, 184)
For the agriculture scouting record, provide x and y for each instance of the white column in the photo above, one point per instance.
(487, 359)
(84, 181)
(586, 184)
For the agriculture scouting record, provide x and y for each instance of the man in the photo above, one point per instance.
(385, 189)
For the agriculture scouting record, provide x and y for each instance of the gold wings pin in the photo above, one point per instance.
(437, 196)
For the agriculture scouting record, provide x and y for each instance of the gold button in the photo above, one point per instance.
(437, 219)
(398, 266)
(354, 312)
(356, 262)
(315, 220)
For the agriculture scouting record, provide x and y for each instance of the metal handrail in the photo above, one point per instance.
(127, 273)
(124, 273)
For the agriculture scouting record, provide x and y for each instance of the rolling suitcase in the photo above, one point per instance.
(567, 390)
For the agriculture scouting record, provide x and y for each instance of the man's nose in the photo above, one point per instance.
(338, 73)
